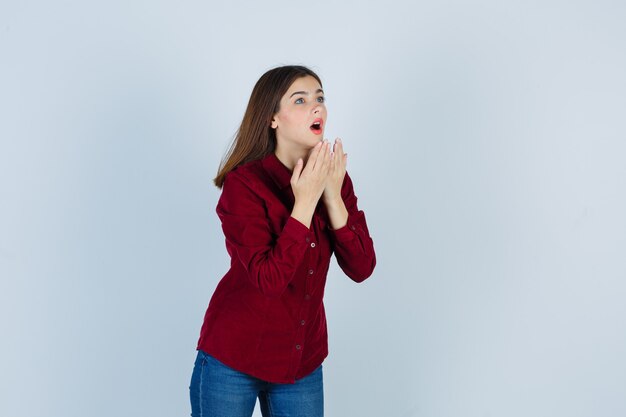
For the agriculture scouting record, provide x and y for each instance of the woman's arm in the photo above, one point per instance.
(337, 213)
(353, 245)
(269, 260)
(354, 248)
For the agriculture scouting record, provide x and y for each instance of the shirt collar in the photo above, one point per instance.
(277, 170)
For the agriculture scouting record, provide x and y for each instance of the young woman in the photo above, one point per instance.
(287, 205)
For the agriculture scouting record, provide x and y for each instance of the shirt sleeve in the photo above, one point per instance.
(269, 260)
(353, 246)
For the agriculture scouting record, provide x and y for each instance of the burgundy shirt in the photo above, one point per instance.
(266, 317)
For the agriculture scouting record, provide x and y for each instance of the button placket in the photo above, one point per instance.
(300, 338)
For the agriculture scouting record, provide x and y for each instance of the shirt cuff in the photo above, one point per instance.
(295, 229)
(347, 232)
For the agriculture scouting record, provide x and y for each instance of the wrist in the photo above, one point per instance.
(303, 213)
(337, 213)
(333, 201)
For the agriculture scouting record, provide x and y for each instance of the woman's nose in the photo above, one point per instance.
(318, 107)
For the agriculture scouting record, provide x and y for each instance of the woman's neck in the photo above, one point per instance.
(289, 157)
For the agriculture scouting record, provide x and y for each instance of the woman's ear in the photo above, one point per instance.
(274, 125)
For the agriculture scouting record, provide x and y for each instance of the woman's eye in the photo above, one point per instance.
(321, 99)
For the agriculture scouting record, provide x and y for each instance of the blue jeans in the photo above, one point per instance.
(217, 390)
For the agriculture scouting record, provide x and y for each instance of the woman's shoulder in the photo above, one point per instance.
(250, 174)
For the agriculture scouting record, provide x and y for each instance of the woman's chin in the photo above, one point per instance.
(318, 137)
(314, 141)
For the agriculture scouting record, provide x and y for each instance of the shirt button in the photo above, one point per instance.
(312, 244)
(308, 240)
(311, 272)
(298, 347)
(302, 322)
(307, 297)
(352, 227)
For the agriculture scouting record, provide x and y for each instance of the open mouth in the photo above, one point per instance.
(316, 127)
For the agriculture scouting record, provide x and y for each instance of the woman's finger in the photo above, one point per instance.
(325, 160)
(321, 156)
(339, 148)
(313, 156)
(295, 175)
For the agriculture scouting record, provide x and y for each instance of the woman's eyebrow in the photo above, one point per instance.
(319, 90)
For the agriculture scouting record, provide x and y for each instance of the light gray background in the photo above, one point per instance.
(487, 147)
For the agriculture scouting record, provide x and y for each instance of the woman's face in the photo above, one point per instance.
(301, 106)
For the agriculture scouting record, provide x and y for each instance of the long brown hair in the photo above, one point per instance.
(255, 138)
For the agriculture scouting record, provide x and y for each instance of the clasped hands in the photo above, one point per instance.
(322, 176)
